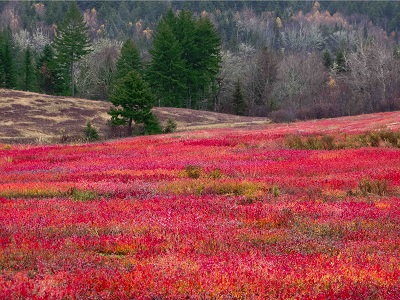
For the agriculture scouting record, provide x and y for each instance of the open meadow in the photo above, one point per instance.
(308, 210)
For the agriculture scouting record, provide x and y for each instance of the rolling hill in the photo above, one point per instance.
(27, 117)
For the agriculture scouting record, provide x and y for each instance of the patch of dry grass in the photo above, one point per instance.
(27, 117)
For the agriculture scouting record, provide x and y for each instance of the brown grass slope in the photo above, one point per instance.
(27, 117)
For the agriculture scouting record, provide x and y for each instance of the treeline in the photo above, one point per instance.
(286, 60)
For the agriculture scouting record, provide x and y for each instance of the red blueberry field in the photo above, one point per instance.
(308, 210)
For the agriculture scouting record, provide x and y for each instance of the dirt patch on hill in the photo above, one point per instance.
(35, 118)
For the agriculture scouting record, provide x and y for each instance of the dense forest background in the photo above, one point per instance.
(283, 59)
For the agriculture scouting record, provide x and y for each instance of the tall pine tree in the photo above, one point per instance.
(46, 71)
(28, 76)
(8, 60)
(166, 72)
(193, 49)
(2, 75)
(129, 60)
(238, 100)
(133, 101)
(71, 43)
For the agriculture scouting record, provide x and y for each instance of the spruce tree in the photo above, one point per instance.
(185, 59)
(29, 73)
(71, 43)
(327, 59)
(2, 75)
(239, 103)
(8, 60)
(129, 60)
(133, 101)
(341, 61)
(167, 69)
(46, 71)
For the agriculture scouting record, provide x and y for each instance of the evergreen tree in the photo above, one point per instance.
(129, 60)
(206, 62)
(193, 49)
(132, 100)
(8, 60)
(341, 61)
(327, 59)
(46, 73)
(2, 75)
(28, 78)
(238, 100)
(71, 42)
(166, 71)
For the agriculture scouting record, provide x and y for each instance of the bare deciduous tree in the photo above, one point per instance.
(373, 74)
(95, 71)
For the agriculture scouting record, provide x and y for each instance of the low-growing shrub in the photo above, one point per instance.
(391, 137)
(294, 141)
(171, 126)
(275, 191)
(247, 191)
(82, 195)
(313, 142)
(282, 116)
(215, 174)
(31, 192)
(376, 187)
(327, 142)
(193, 171)
(374, 140)
(91, 132)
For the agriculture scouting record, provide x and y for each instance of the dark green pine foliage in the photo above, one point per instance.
(239, 104)
(327, 59)
(28, 76)
(208, 56)
(193, 49)
(133, 101)
(166, 72)
(341, 61)
(46, 71)
(129, 60)
(8, 60)
(71, 43)
(2, 75)
(201, 52)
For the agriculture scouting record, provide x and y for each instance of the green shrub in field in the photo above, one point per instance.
(91, 132)
(294, 141)
(391, 137)
(374, 139)
(376, 187)
(82, 195)
(193, 171)
(275, 191)
(327, 142)
(215, 174)
(313, 142)
(171, 126)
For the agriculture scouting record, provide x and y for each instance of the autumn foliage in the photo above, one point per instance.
(217, 214)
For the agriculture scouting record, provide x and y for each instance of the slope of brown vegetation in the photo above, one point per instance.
(27, 117)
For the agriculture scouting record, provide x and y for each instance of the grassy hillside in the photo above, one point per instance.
(27, 117)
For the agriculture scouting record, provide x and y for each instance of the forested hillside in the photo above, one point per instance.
(287, 60)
